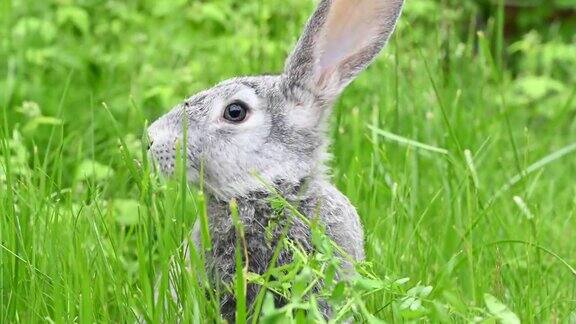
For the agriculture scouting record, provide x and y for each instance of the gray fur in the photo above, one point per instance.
(282, 141)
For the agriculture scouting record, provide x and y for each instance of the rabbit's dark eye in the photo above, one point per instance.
(235, 112)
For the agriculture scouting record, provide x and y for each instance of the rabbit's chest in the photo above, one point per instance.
(263, 228)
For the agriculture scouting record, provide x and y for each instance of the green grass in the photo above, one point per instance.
(457, 147)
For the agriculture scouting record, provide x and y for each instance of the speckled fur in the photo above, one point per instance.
(283, 140)
(312, 199)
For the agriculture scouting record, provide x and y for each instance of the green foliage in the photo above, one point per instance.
(453, 145)
(500, 311)
(550, 17)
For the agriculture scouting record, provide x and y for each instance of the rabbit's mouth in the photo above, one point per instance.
(169, 160)
(163, 155)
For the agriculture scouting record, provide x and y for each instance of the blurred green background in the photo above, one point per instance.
(157, 52)
(491, 82)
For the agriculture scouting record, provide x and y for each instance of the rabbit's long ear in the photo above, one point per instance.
(340, 40)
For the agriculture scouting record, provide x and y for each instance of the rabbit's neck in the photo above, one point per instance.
(264, 217)
(261, 201)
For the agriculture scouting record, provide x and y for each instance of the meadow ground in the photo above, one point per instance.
(458, 147)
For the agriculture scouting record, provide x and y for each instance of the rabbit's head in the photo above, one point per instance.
(249, 131)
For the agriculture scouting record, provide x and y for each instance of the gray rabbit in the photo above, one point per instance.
(255, 135)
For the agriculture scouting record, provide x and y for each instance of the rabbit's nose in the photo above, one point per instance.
(161, 134)
(149, 140)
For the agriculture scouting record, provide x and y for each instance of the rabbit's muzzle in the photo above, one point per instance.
(167, 148)
(162, 143)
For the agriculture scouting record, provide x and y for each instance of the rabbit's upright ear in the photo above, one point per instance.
(341, 38)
